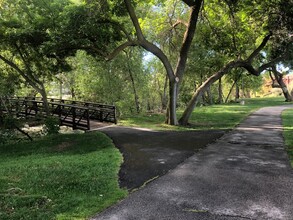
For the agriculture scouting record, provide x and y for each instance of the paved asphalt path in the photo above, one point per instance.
(244, 175)
(149, 154)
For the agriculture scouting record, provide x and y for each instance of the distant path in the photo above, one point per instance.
(244, 175)
(149, 154)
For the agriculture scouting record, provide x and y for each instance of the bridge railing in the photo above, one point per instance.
(97, 111)
(75, 114)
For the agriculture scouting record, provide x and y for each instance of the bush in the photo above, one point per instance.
(52, 125)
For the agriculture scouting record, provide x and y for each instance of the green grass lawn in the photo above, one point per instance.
(75, 176)
(225, 116)
(288, 132)
(59, 177)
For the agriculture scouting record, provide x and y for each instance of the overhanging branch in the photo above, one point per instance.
(14, 66)
(120, 48)
(260, 47)
(134, 19)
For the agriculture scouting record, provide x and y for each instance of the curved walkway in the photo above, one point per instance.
(244, 175)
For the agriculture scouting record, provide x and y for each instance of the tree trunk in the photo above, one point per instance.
(237, 92)
(247, 94)
(279, 78)
(171, 111)
(43, 93)
(187, 40)
(200, 91)
(209, 96)
(136, 99)
(61, 89)
(164, 99)
(220, 92)
(230, 91)
(72, 91)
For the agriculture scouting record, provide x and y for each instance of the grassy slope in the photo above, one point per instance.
(60, 177)
(288, 132)
(224, 116)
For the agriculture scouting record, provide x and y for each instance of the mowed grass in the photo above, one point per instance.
(288, 132)
(224, 116)
(70, 176)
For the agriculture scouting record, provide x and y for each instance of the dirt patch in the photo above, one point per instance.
(148, 154)
(63, 146)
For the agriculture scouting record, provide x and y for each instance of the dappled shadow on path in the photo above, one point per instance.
(149, 154)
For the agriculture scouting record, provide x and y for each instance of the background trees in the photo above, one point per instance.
(164, 54)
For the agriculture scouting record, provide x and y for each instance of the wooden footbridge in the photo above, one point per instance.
(75, 114)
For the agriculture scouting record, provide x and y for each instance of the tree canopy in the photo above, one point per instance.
(183, 51)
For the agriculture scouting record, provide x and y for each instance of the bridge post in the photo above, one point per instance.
(101, 115)
(115, 115)
(59, 110)
(16, 105)
(25, 108)
(88, 119)
(35, 106)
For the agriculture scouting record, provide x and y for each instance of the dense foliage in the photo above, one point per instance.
(160, 51)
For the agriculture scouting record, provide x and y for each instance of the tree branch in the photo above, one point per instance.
(179, 22)
(260, 47)
(270, 64)
(28, 69)
(134, 20)
(159, 53)
(117, 24)
(14, 66)
(188, 37)
(113, 54)
(190, 3)
(141, 41)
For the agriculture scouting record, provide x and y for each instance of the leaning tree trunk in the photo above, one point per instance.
(246, 64)
(203, 88)
(279, 78)
(200, 91)
(230, 91)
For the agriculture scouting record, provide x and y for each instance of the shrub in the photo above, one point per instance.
(52, 125)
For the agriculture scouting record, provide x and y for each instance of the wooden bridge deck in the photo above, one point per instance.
(75, 114)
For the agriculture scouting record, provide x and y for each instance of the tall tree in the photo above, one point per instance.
(175, 75)
(25, 35)
(240, 44)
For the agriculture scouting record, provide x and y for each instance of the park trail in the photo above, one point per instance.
(245, 174)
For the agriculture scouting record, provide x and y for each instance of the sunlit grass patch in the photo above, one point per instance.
(59, 177)
(224, 116)
(288, 132)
